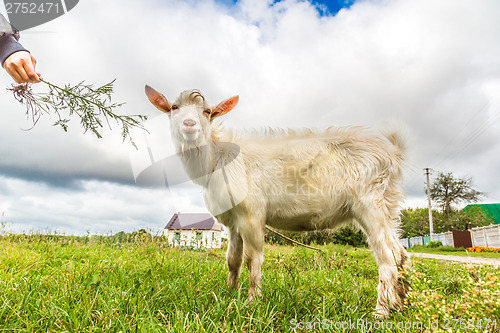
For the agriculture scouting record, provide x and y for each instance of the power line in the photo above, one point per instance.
(463, 128)
(468, 140)
(475, 134)
(472, 137)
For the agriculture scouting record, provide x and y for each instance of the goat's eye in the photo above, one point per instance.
(207, 112)
(175, 107)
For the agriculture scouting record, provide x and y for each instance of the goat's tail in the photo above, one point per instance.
(398, 141)
(394, 195)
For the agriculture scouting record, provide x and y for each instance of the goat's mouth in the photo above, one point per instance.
(190, 134)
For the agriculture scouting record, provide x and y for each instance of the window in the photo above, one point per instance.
(177, 236)
(199, 235)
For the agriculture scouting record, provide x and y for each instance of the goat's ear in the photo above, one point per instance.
(158, 99)
(224, 107)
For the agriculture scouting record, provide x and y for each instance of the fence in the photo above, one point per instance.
(446, 238)
(488, 236)
(410, 242)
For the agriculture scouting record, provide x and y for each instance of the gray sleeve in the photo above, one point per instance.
(8, 40)
(8, 46)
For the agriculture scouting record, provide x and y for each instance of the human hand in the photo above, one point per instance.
(21, 66)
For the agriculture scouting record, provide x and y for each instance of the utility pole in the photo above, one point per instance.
(431, 226)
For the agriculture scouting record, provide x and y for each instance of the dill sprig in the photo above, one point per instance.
(92, 105)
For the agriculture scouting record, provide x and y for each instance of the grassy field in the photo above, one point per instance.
(64, 284)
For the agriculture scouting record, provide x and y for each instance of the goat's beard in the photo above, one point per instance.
(185, 142)
(189, 147)
(194, 154)
(192, 146)
(190, 137)
(196, 160)
(195, 141)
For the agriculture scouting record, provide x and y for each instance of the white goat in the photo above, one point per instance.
(292, 180)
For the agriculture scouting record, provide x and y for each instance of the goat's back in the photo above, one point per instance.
(305, 180)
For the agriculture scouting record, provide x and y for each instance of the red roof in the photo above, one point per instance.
(196, 221)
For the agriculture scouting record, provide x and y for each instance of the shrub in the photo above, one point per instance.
(434, 244)
(449, 248)
(347, 235)
(350, 236)
(418, 247)
(445, 248)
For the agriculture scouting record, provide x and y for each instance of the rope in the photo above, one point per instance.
(293, 241)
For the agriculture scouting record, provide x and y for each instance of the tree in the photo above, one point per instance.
(473, 216)
(415, 222)
(447, 190)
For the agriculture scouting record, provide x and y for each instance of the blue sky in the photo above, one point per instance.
(330, 7)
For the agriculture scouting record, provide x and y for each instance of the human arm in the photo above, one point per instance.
(14, 58)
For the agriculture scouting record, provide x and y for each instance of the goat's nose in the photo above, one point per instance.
(189, 122)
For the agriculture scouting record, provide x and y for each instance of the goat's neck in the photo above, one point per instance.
(198, 162)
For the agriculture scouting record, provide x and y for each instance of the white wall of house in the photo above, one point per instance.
(209, 239)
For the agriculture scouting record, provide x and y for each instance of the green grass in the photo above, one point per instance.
(62, 284)
(449, 250)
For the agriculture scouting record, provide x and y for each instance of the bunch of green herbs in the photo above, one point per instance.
(92, 105)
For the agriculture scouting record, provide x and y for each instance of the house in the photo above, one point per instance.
(492, 210)
(199, 230)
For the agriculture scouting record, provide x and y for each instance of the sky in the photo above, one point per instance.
(431, 69)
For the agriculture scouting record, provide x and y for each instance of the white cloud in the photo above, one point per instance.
(96, 206)
(432, 66)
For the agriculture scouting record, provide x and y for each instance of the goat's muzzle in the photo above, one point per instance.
(189, 123)
(190, 129)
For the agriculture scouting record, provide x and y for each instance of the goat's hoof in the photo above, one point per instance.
(381, 312)
(232, 282)
(255, 294)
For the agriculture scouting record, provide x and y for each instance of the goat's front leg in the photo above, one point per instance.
(253, 242)
(234, 257)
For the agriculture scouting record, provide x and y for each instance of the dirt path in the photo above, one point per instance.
(470, 260)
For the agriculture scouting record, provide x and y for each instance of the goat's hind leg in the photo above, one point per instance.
(390, 256)
(234, 257)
